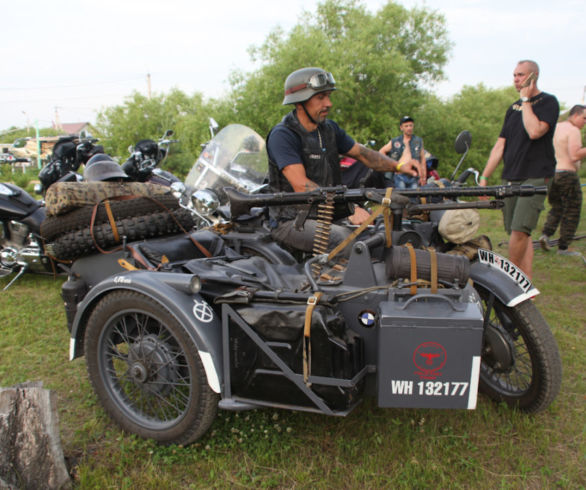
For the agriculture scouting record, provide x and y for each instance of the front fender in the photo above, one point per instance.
(500, 284)
(173, 292)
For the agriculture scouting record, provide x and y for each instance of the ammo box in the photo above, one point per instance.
(429, 349)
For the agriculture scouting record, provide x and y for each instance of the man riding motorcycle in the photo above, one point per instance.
(304, 151)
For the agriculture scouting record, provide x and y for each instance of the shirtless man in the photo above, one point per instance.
(565, 195)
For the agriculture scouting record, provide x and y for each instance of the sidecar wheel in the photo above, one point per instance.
(521, 362)
(80, 218)
(77, 243)
(146, 371)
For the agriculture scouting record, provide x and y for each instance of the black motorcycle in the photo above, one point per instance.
(21, 215)
(145, 159)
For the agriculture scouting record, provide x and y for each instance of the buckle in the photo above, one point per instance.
(312, 300)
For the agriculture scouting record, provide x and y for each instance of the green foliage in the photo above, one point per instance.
(379, 61)
(141, 117)
(476, 109)
(14, 133)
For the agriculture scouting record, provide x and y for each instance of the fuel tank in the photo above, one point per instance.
(16, 203)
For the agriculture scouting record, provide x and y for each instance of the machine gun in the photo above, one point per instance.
(412, 201)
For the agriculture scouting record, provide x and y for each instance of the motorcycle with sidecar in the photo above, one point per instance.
(174, 328)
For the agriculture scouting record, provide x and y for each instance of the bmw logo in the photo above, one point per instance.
(366, 318)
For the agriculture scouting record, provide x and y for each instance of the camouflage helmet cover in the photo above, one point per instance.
(304, 83)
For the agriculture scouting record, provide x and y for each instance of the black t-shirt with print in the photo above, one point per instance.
(526, 158)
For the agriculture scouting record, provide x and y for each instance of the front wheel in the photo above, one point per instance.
(521, 363)
(146, 370)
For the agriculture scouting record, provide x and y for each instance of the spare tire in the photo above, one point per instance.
(72, 245)
(78, 219)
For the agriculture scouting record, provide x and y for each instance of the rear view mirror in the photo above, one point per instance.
(463, 141)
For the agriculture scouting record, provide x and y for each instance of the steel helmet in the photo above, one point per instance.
(102, 167)
(303, 84)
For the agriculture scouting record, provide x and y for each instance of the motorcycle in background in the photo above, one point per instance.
(21, 215)
(145, 159)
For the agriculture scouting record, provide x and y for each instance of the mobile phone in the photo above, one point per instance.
(527, 82)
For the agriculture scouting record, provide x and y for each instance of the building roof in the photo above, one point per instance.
(74, 128)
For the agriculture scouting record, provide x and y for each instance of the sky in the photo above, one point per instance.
(68, 60)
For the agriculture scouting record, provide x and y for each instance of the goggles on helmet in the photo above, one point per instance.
(316, 82)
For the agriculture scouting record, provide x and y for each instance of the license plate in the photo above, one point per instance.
(506, 266)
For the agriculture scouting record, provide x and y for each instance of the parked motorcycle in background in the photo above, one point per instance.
(69, 153)
(21, 215)
(145, 159)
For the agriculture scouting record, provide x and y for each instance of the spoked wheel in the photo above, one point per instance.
(521, 363)
(146, 370)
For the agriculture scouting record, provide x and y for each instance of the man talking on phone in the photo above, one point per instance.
(525, 145)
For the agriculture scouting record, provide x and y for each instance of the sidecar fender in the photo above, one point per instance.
(173, 292)
(507, 290)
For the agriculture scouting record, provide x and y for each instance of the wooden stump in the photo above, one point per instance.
(30, 447)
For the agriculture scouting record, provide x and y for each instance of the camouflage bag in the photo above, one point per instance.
(63, 197)
(470, 248)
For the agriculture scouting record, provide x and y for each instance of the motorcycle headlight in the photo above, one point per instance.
(205, 201)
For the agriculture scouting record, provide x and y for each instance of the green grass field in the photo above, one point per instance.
(491, 447)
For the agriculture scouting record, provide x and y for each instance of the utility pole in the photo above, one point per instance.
(57, 121)
(149, 85)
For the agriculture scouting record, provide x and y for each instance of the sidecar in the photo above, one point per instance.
(175, 327)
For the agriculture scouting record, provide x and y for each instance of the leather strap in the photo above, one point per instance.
(111, 220)
(433, 264)
(383, 209)
(311, 303)
(413, 261)
(388, 217)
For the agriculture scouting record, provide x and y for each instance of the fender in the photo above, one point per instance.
(500, 284)
(173, 292)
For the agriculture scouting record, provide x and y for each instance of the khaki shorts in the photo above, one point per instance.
(522, 213)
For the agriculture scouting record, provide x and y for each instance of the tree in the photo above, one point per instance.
(477, 109)
(148, 118)
(380, 62)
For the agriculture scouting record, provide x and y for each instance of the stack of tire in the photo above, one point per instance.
(138, 210)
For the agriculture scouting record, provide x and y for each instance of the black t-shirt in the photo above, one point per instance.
(285, 147)
(526, 158)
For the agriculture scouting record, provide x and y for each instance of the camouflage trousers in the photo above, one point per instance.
(565, 197)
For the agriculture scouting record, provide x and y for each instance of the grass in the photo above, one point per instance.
(491, 447)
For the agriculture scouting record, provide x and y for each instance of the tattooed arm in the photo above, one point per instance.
(379, 162)
(297, 177)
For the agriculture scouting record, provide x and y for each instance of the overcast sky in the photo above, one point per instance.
(73, 58)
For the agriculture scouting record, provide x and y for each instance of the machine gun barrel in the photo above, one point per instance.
(241, 203)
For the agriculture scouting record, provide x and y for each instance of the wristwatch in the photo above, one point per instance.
(524, 99)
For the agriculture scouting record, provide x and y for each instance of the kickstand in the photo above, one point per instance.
(18, 274)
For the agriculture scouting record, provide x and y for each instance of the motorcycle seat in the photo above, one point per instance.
(180, 248)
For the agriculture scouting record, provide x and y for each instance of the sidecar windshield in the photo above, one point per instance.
(235, 157)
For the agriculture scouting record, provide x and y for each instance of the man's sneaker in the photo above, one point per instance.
(544, 242)
(569, 253)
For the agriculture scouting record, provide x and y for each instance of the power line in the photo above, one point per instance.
(74, 85)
